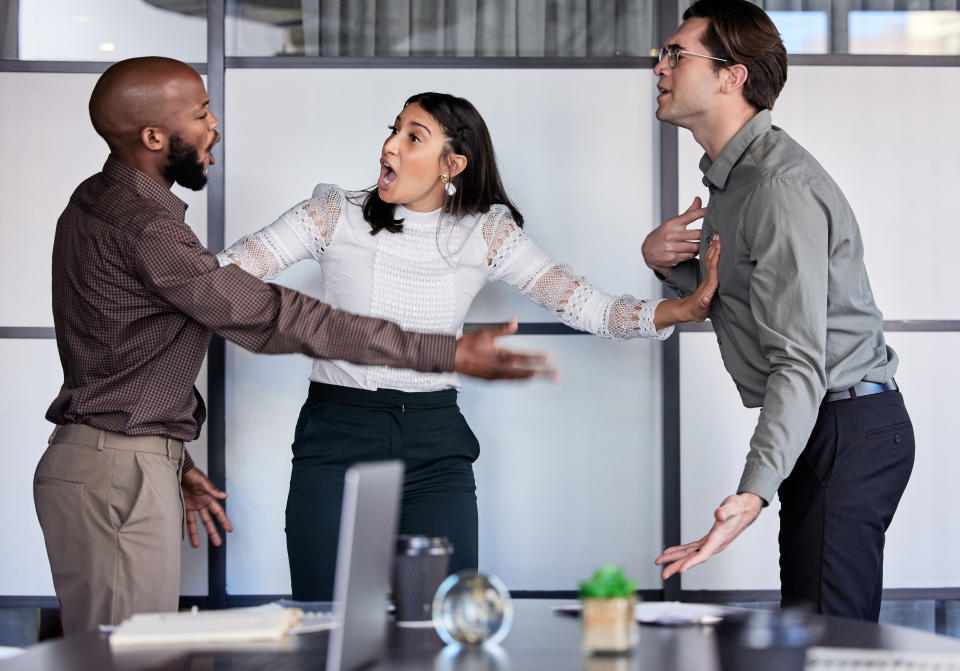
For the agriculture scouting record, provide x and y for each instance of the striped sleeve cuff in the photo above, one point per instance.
(437, 352)
(187, 462)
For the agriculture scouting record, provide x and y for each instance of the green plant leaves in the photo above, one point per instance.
(608, 582)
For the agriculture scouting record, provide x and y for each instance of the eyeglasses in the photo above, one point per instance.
(675, 53)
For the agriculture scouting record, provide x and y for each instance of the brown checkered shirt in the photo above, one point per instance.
(136, 297)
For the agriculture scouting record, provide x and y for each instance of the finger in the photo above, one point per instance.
(686, 247)
(670, 570)
(690, 216)
(680, 551)
(220, 514)
(211, 528)
(192, 530)
(668, 557)
(210, 489)
(695, 560)
(507, 328)
(695, 205)
(520, 372)
(525, 364)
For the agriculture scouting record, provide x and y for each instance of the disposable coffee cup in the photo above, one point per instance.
(421, 564)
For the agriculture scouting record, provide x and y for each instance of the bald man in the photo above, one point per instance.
(136, 297)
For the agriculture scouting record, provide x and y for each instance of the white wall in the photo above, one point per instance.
(895, 157)
(574, 466)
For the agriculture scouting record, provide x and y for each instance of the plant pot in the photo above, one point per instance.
(609, 625)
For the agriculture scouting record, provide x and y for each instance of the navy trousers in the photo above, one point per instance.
(838, 501)
(339, 426)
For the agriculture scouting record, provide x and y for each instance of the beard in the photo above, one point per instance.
(184, 165)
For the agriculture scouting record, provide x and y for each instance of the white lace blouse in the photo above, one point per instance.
(426, 277)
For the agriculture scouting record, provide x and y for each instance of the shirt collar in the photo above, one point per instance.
(118, 171)
(716, 172)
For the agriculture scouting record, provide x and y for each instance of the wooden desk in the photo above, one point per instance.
(539, 640)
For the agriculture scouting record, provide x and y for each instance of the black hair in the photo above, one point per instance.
(478, 186)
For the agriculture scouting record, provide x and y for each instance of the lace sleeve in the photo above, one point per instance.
(304, 231)
(514, 258)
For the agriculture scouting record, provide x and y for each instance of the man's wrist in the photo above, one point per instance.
(752, 501)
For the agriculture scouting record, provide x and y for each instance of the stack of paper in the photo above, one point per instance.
(262, 623)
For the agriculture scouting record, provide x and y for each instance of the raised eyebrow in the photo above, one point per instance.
(417, 123)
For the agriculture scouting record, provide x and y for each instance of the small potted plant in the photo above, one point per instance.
(608, 604)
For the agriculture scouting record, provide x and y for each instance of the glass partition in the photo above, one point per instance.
(103, 30)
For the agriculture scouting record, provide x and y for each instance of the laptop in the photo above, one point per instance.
(368, 527)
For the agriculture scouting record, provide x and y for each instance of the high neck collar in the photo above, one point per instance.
(417, 218)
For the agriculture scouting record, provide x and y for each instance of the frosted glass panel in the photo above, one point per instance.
(893, 156)
(31, 371)
(586, 134)
(33, 374)
(49, 147)
(929, 367)
(109, 30)
(570, 471)
(193, 562)
(569, 475)
(264, 395)
(715, 432)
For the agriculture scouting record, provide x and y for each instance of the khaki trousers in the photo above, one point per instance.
(111, 512)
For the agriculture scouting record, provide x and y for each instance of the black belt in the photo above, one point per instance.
(860, 389)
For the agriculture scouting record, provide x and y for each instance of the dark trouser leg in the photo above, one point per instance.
(839, 500)
(329, 437)
(439, 497)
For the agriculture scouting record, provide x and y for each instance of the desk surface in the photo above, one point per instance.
(539, 640)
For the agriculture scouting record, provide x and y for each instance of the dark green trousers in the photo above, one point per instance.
(339, 426)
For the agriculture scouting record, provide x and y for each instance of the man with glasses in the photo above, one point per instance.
(795, 319)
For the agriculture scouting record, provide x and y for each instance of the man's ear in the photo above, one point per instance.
(456, 163)
(153, 138)
(734, 78)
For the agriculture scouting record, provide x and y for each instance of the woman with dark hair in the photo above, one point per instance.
(449, 229)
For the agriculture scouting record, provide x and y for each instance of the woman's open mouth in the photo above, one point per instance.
(387, 175)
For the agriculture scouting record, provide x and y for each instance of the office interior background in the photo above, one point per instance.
(639, 441)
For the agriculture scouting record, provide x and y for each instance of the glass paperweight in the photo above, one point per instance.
(471, 608)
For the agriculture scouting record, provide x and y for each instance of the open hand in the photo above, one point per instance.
(702, 298)
(201, 497)
(478, 356)
(735, 514)
(671, 242)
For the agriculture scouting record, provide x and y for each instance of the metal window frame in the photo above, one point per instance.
(667, 156)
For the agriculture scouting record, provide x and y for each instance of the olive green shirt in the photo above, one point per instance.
(794, 315)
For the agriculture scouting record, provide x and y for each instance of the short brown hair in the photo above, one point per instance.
(741, 32)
